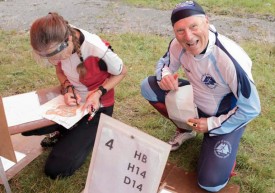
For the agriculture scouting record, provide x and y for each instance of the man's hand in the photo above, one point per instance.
(169, 82)
(199, 125)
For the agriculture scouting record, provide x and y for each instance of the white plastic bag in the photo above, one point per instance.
(181, 107)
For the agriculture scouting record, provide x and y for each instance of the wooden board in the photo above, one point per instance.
(181, 181)
(27, 145)
(6, 148)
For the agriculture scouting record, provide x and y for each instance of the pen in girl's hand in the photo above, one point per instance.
(75, 96)
(72, 97)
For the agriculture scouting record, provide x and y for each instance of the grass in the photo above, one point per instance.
(256, 155)
(18, 72)
(255, 162)
(243, 8)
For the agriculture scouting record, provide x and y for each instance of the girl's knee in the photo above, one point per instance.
(54, 172)
(51, 172)
(58, 168)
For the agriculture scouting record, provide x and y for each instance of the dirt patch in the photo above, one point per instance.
(114, 17)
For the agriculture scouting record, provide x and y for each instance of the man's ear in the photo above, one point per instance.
(207, 19)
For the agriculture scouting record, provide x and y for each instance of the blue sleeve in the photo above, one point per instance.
(247, 108)
(164, 61)
(169, 63)
(247, 99)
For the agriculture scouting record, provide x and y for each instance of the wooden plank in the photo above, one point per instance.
(6, 148)
(168, 168)
(28, 145)
(181, 181)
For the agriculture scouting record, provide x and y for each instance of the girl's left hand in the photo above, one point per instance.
(199, 125)
(92, 101)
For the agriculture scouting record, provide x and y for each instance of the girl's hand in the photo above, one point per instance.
(92, 101)
(70, 100)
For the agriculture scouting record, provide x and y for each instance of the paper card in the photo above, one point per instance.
(165, 191)
(125, 159)
(7, 164)
(22, 108)
(57, 111)
(180, 106)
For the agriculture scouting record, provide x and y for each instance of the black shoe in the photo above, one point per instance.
(50, 140)
(42, 131)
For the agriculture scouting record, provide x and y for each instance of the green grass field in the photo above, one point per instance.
(238, 8)
(256, 158)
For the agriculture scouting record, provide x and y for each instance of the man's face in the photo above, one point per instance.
(192, 33)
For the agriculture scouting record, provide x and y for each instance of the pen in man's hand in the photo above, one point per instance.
(192, 124)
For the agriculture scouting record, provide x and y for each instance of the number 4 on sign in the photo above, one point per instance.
(110, 144)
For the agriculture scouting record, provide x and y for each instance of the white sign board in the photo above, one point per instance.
(125, 159)
(22, 108)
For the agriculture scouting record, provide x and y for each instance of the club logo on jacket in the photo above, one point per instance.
(209, 81)
(222, 149)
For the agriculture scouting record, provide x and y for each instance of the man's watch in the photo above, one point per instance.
(103, 90)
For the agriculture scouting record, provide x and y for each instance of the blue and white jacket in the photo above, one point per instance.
(222, 81)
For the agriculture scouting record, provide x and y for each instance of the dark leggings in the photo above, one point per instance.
(217, 157)
(72, 149)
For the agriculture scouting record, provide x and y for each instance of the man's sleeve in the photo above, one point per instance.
(169, 63)
(247, 105)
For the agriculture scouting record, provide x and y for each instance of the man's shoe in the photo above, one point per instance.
(50, 140)
(177, 140)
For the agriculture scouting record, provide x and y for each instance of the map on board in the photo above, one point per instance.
(57, 111)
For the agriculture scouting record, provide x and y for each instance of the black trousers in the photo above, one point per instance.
(71, 151)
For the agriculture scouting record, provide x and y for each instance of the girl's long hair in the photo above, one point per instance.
(52, 29)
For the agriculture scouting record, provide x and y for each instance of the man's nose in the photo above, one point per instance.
(188, 35)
